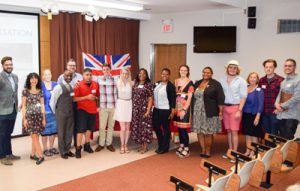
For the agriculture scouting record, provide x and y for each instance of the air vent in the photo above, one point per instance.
(288, 26)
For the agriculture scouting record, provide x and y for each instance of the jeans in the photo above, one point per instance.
(270, 123)
(287, 128)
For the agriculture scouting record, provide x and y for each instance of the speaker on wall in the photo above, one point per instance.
(251, 11)
(251, 23)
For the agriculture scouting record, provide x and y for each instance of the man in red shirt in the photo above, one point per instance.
(86, 95)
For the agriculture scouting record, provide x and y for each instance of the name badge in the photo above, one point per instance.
(72, 94)
(93, 91)
(140, 86)
(258, 89)
(263, 86)
(288, 85)
(182, 95)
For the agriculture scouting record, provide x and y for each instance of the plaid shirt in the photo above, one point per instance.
(108, 91)
(271, 91)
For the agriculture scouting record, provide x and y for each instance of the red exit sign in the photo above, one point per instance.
(167, 26)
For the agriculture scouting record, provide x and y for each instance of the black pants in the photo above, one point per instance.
(75, 123)
(6, 129)
(65, 127)
(287, 128)
(183, 137)
(161, 125)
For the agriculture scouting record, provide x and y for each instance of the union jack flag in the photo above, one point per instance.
(95, 62)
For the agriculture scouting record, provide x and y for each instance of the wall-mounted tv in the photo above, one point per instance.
(214, 39)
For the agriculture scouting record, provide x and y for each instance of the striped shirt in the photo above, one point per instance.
(108, 91)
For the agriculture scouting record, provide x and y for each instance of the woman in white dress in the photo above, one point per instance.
(123, 112)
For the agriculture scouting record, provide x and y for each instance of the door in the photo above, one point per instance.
(167, 56)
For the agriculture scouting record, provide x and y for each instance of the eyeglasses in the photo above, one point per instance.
(72, 65)
(289, 66)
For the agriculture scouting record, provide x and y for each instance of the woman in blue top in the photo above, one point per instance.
(251, 123)
(50, 131)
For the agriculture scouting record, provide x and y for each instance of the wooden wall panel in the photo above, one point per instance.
(44, 43)
(168, 56)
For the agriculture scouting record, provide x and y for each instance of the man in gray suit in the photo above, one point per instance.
(8, 111)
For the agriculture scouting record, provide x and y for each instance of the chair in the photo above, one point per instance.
(218, 185)
(245, 172)
(285, 148)
(260, 168)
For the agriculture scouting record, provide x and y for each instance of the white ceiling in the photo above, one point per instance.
(168, 6)
(150, 6)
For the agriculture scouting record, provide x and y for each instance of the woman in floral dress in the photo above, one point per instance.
(142, 99)
(182, 119)
(33, 112)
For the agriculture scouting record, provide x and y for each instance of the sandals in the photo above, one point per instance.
(126, 149)
(122, 149)
(144, 150)
(179, 150)
(185, 153)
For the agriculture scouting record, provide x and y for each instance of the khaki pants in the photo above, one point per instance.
(106, 118)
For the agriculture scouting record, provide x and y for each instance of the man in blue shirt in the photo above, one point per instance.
(288, 101)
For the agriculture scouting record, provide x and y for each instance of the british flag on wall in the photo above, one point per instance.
(95, 62)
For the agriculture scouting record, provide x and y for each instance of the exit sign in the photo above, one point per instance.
(167, 25)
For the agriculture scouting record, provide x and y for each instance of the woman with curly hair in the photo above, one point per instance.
(33, 112)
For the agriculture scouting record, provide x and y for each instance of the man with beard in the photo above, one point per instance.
(8, 112)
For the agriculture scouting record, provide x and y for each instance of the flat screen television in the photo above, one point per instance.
(216, 39)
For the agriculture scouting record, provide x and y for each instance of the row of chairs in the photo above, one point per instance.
(274, 153)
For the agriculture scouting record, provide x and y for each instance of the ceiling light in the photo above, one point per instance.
(88, 18)
(114, 4)
(50, 9)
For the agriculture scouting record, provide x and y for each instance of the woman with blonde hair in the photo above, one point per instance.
(123, 112)
(50, 131)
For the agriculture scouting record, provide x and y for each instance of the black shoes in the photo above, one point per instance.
(34, 157)
(204, 155)
(78, 152)
(64, 156)
(87, 148)
(67, 155)
(162, 151)
(70, 154)
(40, 160)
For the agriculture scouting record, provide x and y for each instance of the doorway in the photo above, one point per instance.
(167, 56)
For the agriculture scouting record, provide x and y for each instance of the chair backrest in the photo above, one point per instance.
(267, 158)
(285, 148)
(220, 183)
(245, 172)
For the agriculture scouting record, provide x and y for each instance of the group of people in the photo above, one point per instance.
(67, 108)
